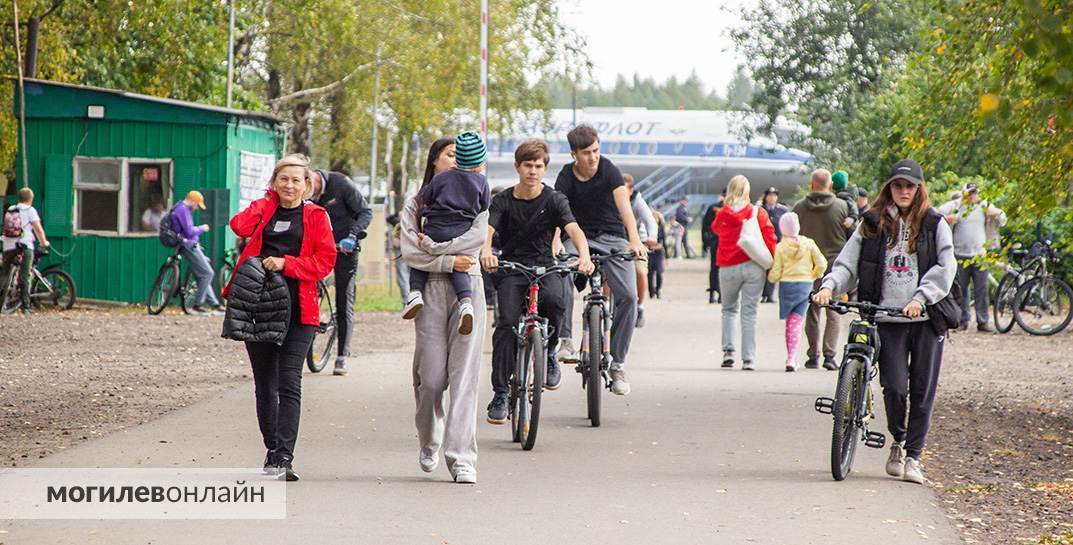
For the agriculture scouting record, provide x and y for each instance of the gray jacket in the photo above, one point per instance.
(933, 287)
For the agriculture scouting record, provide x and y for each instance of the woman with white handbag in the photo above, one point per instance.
(746, 252)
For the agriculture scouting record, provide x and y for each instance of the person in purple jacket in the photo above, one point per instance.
(447, 206)
(182, 221)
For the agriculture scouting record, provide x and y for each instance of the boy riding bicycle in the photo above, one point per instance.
(526, 217)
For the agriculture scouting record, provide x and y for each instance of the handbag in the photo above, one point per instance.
(751, 241)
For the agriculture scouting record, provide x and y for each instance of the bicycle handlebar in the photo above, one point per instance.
(843, 307)
(537, 271)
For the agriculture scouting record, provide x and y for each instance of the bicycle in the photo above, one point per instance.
(595, 359)
(853, 406)
(51, 287)
(227, 268)
(167, 286)
(531, 359)
(325, 333)
(1043, 303)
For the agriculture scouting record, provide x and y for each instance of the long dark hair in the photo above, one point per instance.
(433, 155)
(914, 217)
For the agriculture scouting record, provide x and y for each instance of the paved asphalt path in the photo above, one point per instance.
(695, 454)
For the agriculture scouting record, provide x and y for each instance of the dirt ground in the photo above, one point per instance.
(67, 377)
(1000, 451)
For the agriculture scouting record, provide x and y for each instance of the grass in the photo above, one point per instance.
(376, 298)
(1065, 538)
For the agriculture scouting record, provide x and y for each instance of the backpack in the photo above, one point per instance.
(168, 236)
(13, 222)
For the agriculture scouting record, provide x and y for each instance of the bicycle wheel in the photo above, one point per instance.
(1043, 305)
(596, 351)
(226, 270)
(847, 432)
(1003, 303)
(324, 337)
(167, 280)
(54, 289)
(519, 374)
(536, 362)
(188, 295)
(10, 293)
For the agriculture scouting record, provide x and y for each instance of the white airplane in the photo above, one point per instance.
(669, 152)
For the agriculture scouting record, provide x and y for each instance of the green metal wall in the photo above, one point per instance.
(205, 157)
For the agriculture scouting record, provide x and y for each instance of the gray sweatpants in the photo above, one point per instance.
(980, 287)
(741, 286)
(621, 277)
(445, 360)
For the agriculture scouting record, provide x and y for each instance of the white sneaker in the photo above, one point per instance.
(429, 463)
(567, 353)
(619, 384)
(414, 303)
(466, 476)
(913, 473)
(896, 460)
(465, 322)
(747, 366)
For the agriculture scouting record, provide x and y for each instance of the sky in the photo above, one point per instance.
(658, 38)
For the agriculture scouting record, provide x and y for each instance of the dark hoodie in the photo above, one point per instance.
(821, 215)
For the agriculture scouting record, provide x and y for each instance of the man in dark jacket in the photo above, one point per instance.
(775, 210)
(823, 218)
(681, 215)
(350, 216)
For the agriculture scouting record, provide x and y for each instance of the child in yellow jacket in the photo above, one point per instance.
(798, 263)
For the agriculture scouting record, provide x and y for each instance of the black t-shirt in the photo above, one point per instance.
(532, 220)
(282, 236)
(593, 201)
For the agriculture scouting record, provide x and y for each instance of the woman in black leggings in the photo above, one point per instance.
(294, 238)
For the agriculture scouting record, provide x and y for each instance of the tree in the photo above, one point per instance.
(739, 90)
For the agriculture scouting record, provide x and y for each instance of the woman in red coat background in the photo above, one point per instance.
(741, 280)
(293, 237)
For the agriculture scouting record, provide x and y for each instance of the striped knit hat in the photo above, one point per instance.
(469, 150)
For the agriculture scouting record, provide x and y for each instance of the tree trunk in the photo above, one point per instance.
(340, 161)
(301, 136)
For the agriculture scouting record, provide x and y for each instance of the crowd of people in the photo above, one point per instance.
(898, 251)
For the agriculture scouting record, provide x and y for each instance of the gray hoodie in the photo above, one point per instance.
(901, 278)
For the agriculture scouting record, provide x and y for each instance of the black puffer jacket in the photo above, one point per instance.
(259, 308)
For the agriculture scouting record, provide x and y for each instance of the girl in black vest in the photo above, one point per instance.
(902, 255)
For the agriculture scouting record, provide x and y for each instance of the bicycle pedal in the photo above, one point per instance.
(825, 405)
(874, 439)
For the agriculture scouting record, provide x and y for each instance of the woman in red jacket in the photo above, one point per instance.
(741, 280)
(293, 237)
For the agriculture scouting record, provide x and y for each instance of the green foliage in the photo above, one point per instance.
(644, 92)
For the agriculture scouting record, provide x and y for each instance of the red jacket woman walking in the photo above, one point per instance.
(293, 237)
(741, 280)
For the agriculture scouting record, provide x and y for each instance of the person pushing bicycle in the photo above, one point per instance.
(902, 256)
(526, 218)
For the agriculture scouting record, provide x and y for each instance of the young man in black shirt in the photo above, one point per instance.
(601, 203)
(527, 218)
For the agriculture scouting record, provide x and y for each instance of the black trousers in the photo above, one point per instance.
(346, 279)
(655, 272)
(512, 291)
(909, 359)
(713, 271)
(277, 379)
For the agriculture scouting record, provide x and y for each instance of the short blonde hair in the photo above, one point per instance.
(737, 191)
(820, 175)
(26, 195)
(294, 160)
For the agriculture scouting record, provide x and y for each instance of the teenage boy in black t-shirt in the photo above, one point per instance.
(601, 203)
(527, 217)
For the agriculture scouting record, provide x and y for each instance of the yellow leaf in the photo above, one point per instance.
(989, 102)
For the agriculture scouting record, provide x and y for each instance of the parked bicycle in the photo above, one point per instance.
(595, 359)
(853, 406)
(1030, 295)
(51, 288)
(227, 268)
(324, 336)
(531, 357)
(168, 286)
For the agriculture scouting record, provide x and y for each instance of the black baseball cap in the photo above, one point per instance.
(971, 188)
(908, 170)
(862, 192)
(771, 190)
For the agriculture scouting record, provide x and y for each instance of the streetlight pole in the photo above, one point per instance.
(230, 50)
(484, 69)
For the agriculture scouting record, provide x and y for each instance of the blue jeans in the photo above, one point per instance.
(202, 269)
